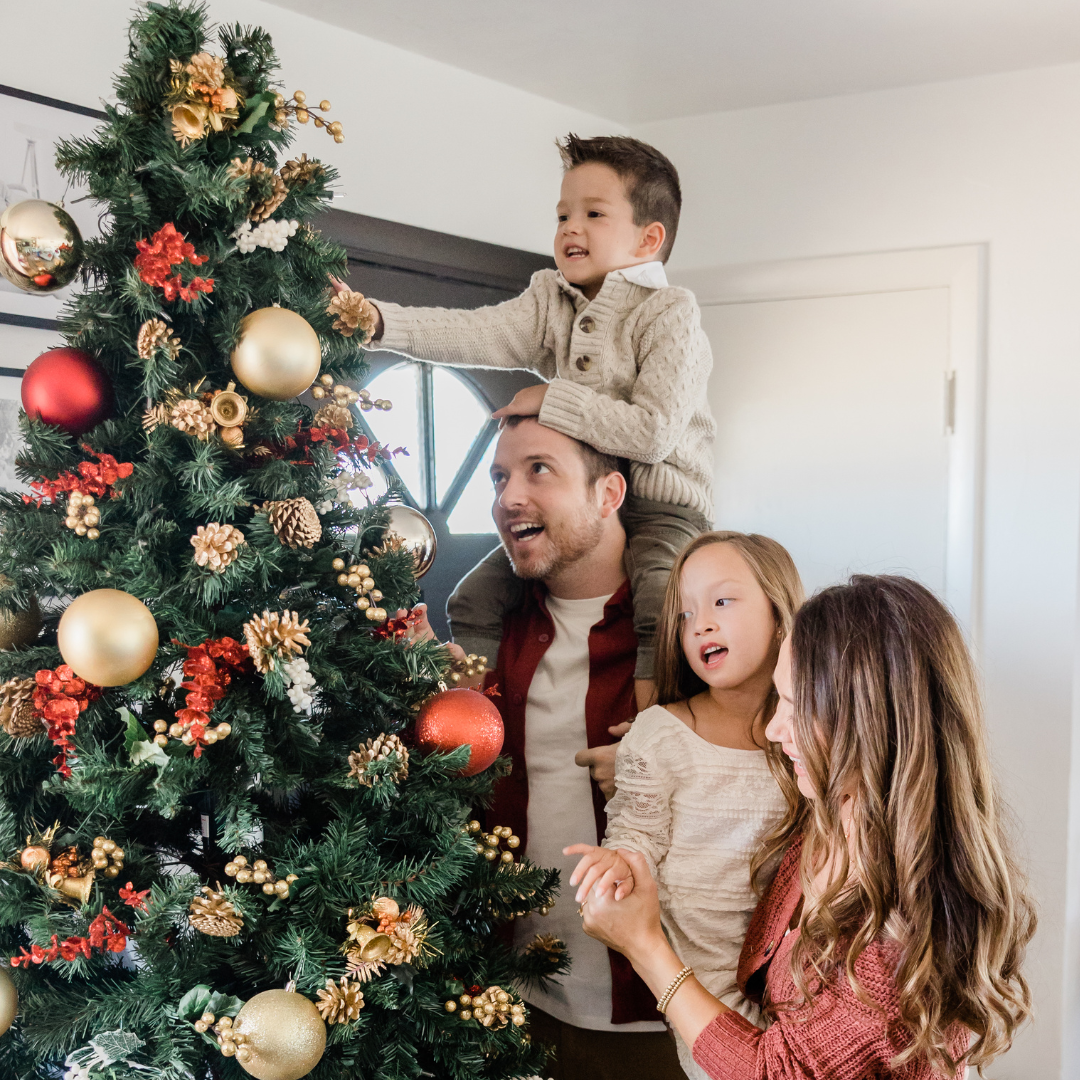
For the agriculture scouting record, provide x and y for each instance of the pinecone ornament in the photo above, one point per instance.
(353, 311)
(153, 335)
(406, 946)
(213, 914)
(334, 416)
(295, 522)
(547, 946)
(17, 714)
(206, 70)
(274, 635)
(340, 1002)
(193, 417)
(266, 188)
(379, 749)
(217, 545)
(300, 171)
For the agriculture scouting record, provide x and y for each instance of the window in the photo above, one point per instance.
(439, 416)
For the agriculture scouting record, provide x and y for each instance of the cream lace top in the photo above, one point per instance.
(697, 812)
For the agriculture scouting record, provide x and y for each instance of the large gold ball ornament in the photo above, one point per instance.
(9, 1001)
(19, 628)
(285, 1033)
(40, 246)
(108, 637)
(415, 531)
(279, 354)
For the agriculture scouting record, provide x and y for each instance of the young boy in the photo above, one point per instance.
(627, 365)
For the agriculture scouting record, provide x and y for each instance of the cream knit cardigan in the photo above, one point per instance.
(627, 372)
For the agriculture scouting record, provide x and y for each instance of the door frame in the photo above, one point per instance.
(962, 270)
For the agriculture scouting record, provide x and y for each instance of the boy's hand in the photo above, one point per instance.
(600, 761)
(526, 402)
(339, 287)
(599, 871)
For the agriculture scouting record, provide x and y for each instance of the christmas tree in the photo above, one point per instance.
(226, 848)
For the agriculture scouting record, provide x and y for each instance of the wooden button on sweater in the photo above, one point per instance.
(583, 363)
(586, 325)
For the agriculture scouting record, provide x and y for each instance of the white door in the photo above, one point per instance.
(835, 400)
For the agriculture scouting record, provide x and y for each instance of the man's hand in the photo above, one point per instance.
(599, 871)
(600, 761)
(339, 286)
(526, 402)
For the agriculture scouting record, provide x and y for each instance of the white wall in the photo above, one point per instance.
(993, 159)
(425, 143)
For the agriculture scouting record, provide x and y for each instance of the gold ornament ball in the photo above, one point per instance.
(19, 628)
(108, 637)
(279, 354)
(40, 246)
(285, 1033)
(416, 532)
(9, 1001)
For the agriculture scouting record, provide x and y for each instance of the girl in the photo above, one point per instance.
(891, 939)
(695, 790)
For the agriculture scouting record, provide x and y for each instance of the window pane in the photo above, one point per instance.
(401, 425)
(459, 418)
(473, 511)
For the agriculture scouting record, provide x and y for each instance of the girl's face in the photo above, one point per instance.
(729, 632)
(781, 728)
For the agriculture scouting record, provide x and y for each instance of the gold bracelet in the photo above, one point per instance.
(669, 993)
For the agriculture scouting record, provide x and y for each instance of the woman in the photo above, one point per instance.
(891, 938)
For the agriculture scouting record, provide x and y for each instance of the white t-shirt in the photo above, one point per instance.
(561, 813)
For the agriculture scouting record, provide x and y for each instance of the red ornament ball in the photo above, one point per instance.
(458, 717)
(69, 388)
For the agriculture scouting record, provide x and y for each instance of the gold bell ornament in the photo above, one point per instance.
(41, 248)
(279, 354)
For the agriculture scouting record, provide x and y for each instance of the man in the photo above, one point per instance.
(566, 680)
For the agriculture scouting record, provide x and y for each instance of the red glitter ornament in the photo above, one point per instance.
(458, 717)
(69, 388)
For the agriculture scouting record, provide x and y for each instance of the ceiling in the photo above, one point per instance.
(640, 60)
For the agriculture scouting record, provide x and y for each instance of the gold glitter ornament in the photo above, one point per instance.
(216, 546)
(380, 748)
(294, 521)
(155, 334)
(340, 1002)
(285, 1034)
(213, 914)
(17, 714)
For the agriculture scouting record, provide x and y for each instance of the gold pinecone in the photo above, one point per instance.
(340, 1002)
(153, 335)
(406, 946)
(294, 521)
(263, 207)
(378, 749)
(194, 417)
(548, 946)
(207, 70)
(266, 188)
(213, 914)
(217, 545)
(353, 311)
(300, 171)
(275, 634)
(334, 416)
(17, 715)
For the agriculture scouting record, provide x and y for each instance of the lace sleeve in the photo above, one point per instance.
(639, 814)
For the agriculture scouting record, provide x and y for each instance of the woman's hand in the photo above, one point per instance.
(339, 287)
(599, 871)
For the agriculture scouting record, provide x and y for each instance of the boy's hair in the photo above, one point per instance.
(652, 183)
(597, 464)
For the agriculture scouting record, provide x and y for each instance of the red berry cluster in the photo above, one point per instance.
(208, 670)
(106, 934)
(93, 479)
(165, 250)
(60, 698)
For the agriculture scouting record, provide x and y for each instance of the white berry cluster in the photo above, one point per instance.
(299, 682)
(342, 484)
(269, 234)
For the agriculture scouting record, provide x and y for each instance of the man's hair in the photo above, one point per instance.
(597, 464)
(652, 183)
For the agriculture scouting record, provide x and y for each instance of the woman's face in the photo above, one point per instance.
(781, 728)
(728, 625)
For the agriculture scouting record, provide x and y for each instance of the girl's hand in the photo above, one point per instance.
(599, 871)
(527, 402)
(631, 926)
(339, 287)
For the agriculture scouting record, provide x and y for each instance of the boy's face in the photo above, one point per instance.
(596, 232)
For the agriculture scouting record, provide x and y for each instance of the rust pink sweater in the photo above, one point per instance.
(835, 1036)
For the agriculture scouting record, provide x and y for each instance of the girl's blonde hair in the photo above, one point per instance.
(887, 713)
(775, 572)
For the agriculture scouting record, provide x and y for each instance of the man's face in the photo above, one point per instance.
(546, 515)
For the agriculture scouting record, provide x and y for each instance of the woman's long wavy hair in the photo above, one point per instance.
(887, 712)
(779, 579)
